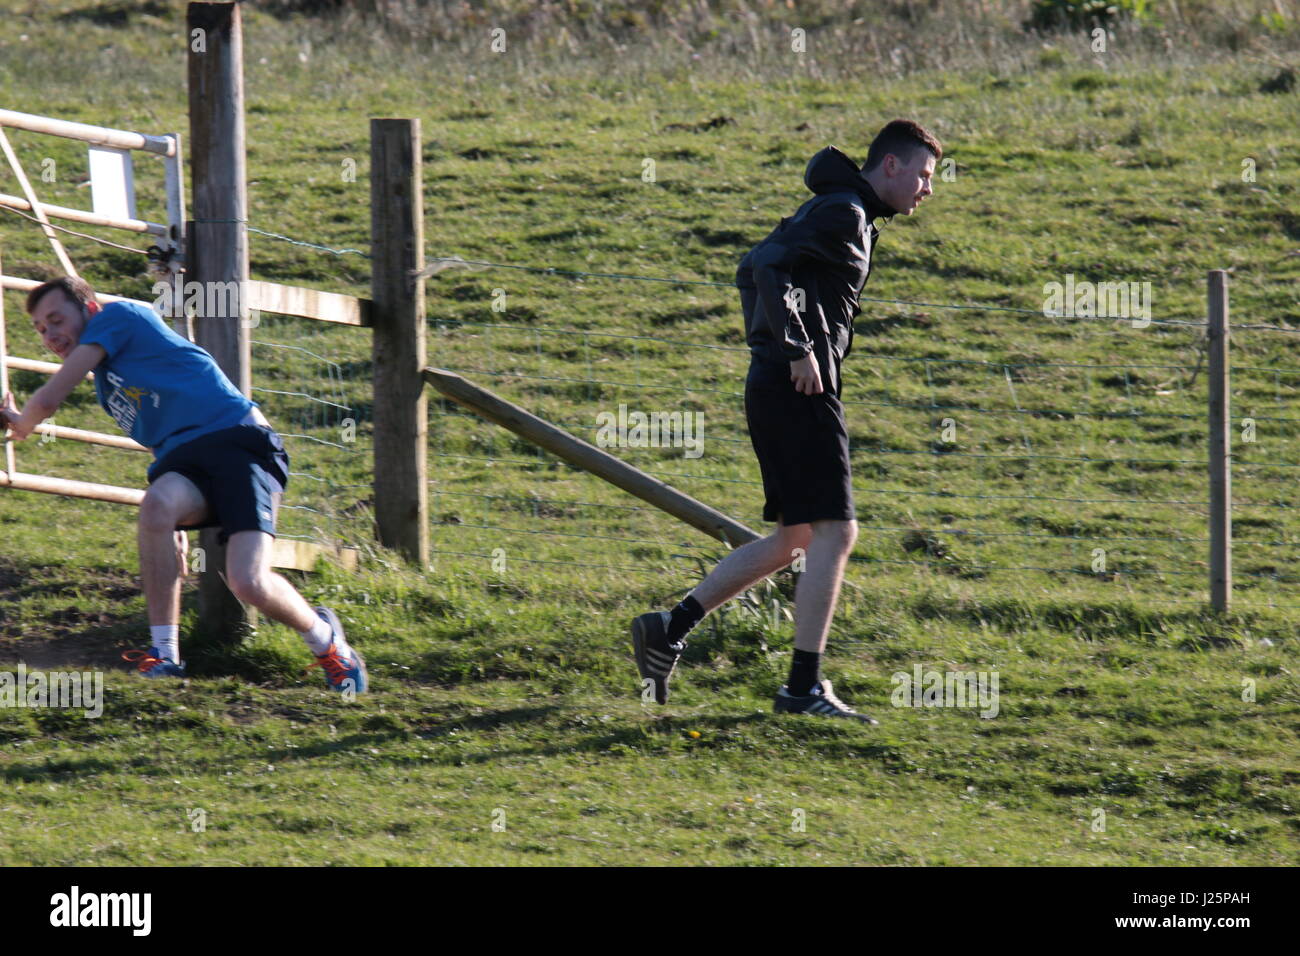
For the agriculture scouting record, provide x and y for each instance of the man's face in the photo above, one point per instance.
(907, 185)
(59, 321)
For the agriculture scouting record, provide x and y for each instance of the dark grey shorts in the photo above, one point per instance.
(238, 470)
(802, 444)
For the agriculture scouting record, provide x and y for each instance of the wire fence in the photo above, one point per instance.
(1084, 495)
(316, 413)
(1010, 471)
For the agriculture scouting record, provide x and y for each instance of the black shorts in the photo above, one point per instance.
(238, 470)
(802, 443)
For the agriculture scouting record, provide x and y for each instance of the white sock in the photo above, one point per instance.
(166, 637)
(320, 636)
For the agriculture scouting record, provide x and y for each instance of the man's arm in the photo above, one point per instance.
(46, 400)
(821, 237)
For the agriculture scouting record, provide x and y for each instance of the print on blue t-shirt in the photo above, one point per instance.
(160, 389)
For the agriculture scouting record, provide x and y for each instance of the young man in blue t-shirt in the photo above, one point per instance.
(217, 463)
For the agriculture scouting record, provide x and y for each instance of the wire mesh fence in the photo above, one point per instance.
(982, 463)
(1003, 471)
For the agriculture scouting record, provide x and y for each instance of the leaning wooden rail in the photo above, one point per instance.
(589, 458)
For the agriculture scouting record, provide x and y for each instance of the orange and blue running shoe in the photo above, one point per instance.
(150, 663)
(343, 671)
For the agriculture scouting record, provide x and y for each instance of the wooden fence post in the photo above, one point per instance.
(1220, 450)
(401, 423)
(217, 257)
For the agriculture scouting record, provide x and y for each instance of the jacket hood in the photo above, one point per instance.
(830, 170)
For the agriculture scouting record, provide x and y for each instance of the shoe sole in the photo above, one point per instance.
(638, 649)
(780, 705)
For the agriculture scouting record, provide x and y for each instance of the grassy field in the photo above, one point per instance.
(505, 724)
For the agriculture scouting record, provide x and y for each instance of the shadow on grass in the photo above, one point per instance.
(754, 732)
(117, 14)
(49, 770)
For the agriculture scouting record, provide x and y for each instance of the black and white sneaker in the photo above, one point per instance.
(655, 655)
(822, 702)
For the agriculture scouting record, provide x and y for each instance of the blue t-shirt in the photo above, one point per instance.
(160, 389)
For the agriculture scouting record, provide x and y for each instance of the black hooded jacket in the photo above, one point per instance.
(824, 249)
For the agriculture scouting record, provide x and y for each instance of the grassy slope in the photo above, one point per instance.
(514, 690)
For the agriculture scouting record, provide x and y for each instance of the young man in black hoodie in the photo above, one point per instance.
(799, 290)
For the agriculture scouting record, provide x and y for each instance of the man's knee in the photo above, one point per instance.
(171, 500)
(248, 584)
(159, 511)
(248, 566)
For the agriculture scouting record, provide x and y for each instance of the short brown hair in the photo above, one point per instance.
(76, 289)
(902, 138)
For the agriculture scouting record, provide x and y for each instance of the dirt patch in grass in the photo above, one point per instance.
(68, 637)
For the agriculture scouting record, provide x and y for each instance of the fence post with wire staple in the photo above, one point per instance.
(401, 422)
(1220, 448)
(218, 252)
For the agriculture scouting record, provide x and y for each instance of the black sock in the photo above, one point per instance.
(684, 617)
(805, 671)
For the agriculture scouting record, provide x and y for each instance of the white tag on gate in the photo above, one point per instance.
(112, 182)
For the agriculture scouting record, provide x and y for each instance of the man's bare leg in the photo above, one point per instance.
(815, 597)
(659, 637)
(249, 575)
(751, 563)
(171, 500)
(818, 589)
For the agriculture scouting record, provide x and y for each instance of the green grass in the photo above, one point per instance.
(513, 690)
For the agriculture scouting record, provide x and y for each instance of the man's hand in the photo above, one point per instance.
(806, 375)
(12, 417)
(46, 400)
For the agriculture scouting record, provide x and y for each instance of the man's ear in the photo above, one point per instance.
(92, 307)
